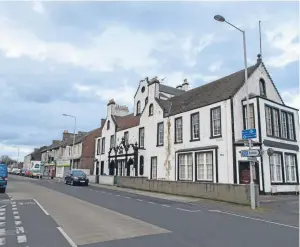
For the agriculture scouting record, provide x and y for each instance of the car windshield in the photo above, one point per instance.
(78, 173)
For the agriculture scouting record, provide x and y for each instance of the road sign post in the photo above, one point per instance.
(249, 134)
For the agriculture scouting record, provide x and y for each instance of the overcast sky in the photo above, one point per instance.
(72, 57)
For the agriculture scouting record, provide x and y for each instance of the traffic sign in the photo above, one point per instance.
(254, 153)
(248, 134)
(244, 153)
(252, 159)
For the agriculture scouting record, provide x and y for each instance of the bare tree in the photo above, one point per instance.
(6, 160)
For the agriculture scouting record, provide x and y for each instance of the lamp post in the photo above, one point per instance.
(18, 154)
(222, 19)
(67, 115)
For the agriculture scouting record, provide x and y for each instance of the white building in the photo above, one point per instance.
(196, 135)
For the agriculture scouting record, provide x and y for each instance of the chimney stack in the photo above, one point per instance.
(259, 60)
(185, 85)
(179, 87)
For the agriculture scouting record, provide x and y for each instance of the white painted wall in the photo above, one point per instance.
(141, 96)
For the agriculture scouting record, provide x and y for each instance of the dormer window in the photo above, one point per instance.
(108, 124)
(138, 108)
(151, 110)
(262, 87)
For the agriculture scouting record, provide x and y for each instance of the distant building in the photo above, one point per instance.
(35, 156)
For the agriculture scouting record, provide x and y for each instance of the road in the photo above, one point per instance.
(44, 213)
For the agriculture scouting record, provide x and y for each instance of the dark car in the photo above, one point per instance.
(76, 177)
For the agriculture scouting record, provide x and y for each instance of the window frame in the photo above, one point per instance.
(112, 141)
(141, 130)
(151, 167)
(103, 145)
(262, 86)
(138, 107)
(151, 107)
(192, 129)
(176, 141)
(108, 125)
(185, 166)
(212, 135)
(276, 181)
(205, 166)
(158, 144)
(251, 106)
(98, 146)
(126, 137)
(296, 181)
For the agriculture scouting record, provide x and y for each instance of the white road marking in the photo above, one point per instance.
(2, 241)
(2, 213)
(2, 232)
(46, 213)
(117, 195)
(3, 206)
(16, 212)
(90, 189)
(18, 222)
(251, 218)
(2, 224)
(22, 239)
(2, 218)
(152, 202)
(109, 193)
(127, 197)
(14, 209)
(187, 210)
(139, 200)
(103, 192)
(2, 209)
(67, 237)
(164, 205)
(20, 230)
(16, 217)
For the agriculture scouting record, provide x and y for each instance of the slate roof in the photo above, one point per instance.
(207, 94)
(126, 122)
(170, 90)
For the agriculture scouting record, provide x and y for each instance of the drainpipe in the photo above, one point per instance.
(168, 148)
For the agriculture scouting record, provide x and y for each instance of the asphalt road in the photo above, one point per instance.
(93, 217)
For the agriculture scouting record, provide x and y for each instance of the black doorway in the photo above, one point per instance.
(244, 172)
(102, 168)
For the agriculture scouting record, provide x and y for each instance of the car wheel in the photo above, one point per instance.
(86, 184)
(2, 190)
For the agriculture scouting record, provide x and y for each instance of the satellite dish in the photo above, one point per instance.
(270, 151)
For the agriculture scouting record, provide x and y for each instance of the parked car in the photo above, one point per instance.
(27, 173)
(76, 177)
(16, 171)
(23, 171)
(3, 177)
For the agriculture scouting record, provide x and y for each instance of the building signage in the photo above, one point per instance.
(248, 134)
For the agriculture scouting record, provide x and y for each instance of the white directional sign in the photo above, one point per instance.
(253, 159)
(254, 153)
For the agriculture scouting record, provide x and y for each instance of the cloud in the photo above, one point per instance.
(285, 39)
(215, 66)
(38, 7)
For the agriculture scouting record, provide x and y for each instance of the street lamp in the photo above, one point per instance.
(18, 153)
(222, 19)
(67, 115)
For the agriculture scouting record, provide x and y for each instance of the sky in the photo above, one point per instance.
(72, 57)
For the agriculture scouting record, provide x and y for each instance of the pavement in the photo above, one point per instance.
(108, 217)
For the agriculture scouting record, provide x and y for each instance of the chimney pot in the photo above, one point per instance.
(259, 59)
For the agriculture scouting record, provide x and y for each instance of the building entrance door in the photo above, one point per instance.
(244, 172)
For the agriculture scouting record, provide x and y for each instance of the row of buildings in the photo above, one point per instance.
(194, 135)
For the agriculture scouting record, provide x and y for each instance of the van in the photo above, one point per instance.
(37, 170)
(3, 178)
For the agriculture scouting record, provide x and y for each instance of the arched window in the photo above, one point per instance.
(138, 108)
(146, 100)
(108, 124)
(141, 165)
(262, 87)
(151, 110)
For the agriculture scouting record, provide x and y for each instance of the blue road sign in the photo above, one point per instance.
(244, 153)
(248, 134)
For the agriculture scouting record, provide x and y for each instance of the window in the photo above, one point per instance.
(98, 146)
(216, 122)
(103, 145)
(126, 137)
(284, 132)
(138, 108)
(291, 126)
(178, 130)
(269, 121)
(276, 123)
(153, 167)
(290, 168)
(112, 141)
(151, 110)
(141, 137)
(195, 129)
(204, 166)
(141, 165)
(262, 87)
(185, 166)
(143, 89)
(108, 124)
(276, 168)
(252, 118)
(160, 134)
(146, 101)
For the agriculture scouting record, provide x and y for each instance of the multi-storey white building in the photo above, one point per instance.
(196, 135)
